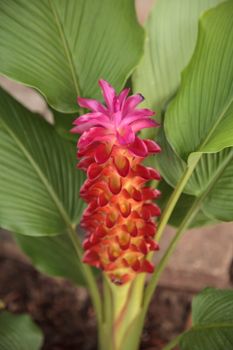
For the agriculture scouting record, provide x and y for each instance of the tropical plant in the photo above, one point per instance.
(62, 49)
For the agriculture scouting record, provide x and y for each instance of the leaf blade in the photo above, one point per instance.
(212, 322)
(172, 33)
(43, 197)
(18, 332)
(198, 123)
(54, 256)
(59, 53)
(212, 178)
(203, 108)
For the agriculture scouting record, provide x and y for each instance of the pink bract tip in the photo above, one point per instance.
(118, 120)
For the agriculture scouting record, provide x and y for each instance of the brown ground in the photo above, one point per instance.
(64, 312)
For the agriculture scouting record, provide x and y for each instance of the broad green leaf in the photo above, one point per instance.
(63, 123)
(169, 164)
(172, 166)
(212, 178)
(183, 205)
(212, 329)
(54, 256)
(62, 48)
(197, 110)
(200, 118)
(18, 332)
(218, 203)
(171, 36)
(38, 178)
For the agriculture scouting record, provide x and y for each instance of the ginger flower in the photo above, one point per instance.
(119, 218)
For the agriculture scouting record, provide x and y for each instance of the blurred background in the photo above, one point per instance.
(204, 257)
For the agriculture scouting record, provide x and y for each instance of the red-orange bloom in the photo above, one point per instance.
(118, 220)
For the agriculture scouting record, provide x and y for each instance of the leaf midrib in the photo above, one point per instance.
(66, 48)
(41, 176)
(215, 125)
(198, 203)
(217, 174)
(208, 326)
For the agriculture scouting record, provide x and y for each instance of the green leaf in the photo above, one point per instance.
(218, 203)
(63, 123)
(182, 208)
(38, 178)
(62, 48)
(18, 332)
(170, 165)
(203, 173)
(200, 118)
(171, 37)
(54, 256)
(212, 313)
(212, 179)
(199, 112)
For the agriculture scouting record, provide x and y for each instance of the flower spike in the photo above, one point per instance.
(118, 220)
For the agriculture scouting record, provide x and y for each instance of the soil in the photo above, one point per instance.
(64, 312)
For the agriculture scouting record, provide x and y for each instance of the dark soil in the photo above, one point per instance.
(64, 312)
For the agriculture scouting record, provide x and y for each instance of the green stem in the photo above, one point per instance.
(184, 225)
(88, 274)
(172, 343)
(160, 268)
(107, 305)
(136, 297)
(107, 300)
(127, 302)
(149, 291)
(122, 306)
(174, 198)
(163, 262)
(132, 317)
